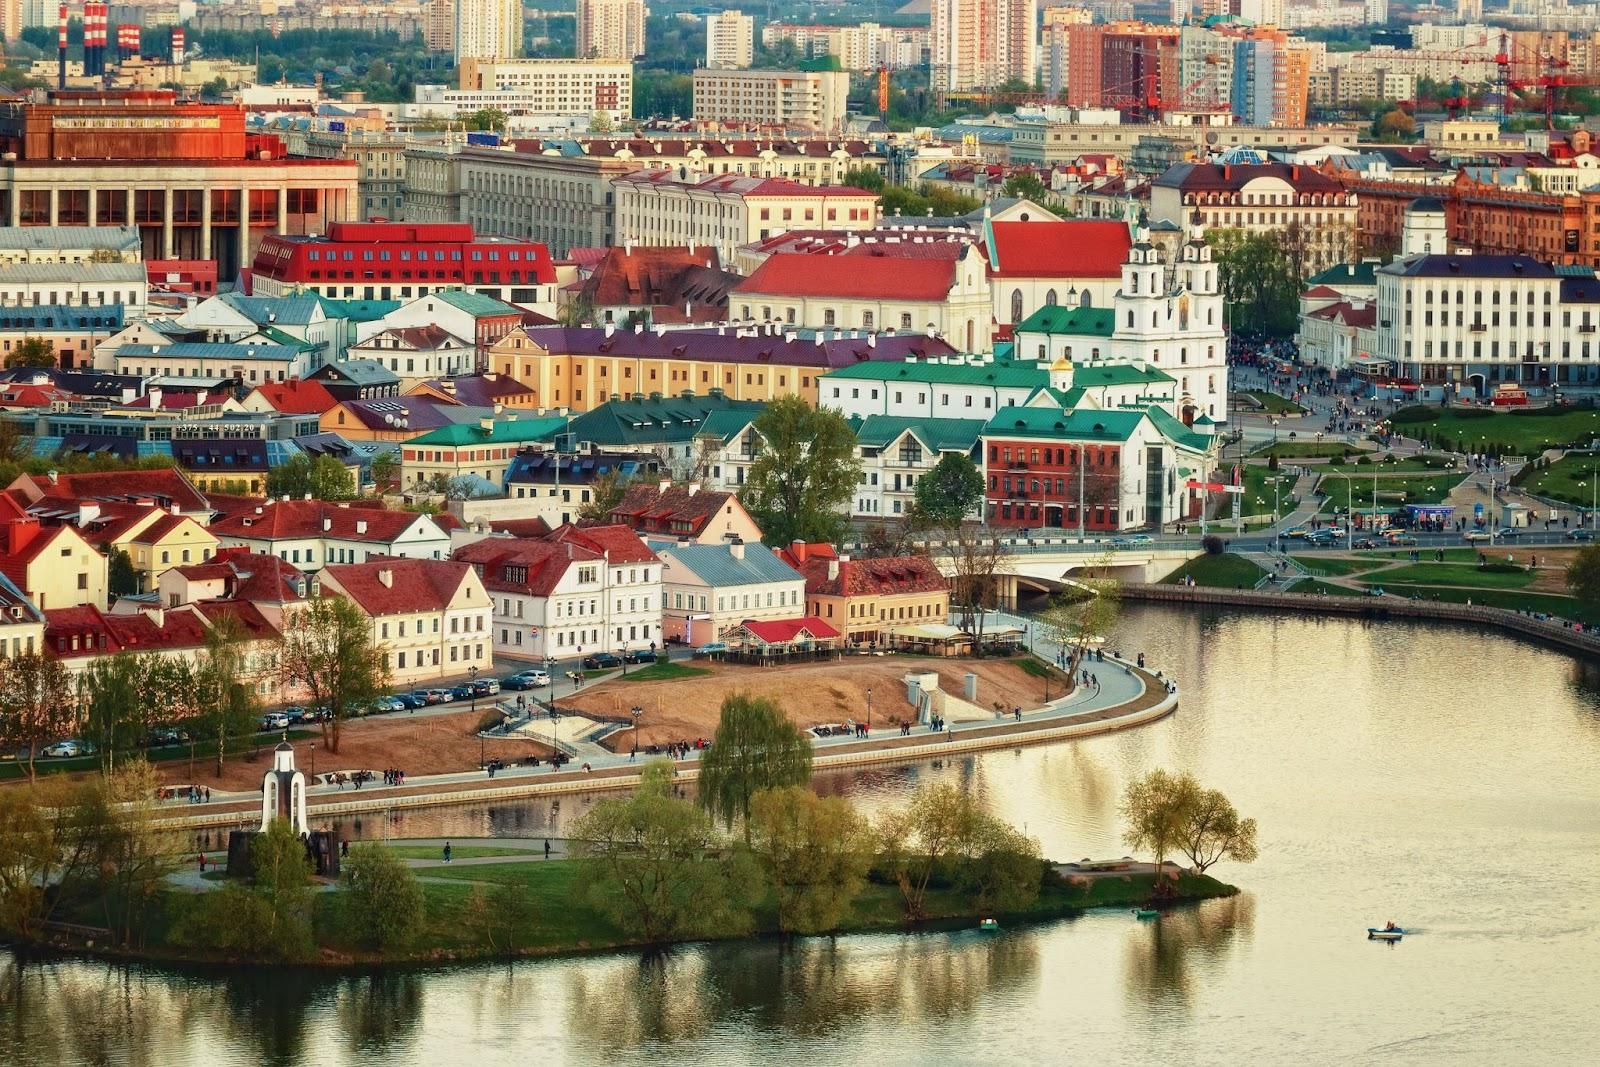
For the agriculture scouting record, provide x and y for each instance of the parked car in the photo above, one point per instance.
(274, 720)
(1321, 537)
(1475, 535)
(1141, 540)
(303, 715)
(599, 661)
(67, 749)
(1401, 539)
(387, 704)
(529, 679)
(1294, 531)
(293, 712)
(166, 735)
(1582, 533)
(437, 696)
(639, 655)
(464, 691)
(712, 649)
(486, 687)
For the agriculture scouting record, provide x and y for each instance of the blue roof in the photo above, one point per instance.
(716, 566)
(211, 350)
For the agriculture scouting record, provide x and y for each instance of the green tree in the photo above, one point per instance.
(36, 705)
(1394, 124)
(950, 492)
(1259, 280)
(268, 919)
(756, 747)
(381, 903)
(1081, 620)
(1025, 185)
(1000, 866)
(941, 832)
(657, 866)
(1583, 576)
(323, 478)
(136, 853)
(1156, 807)
(1212, 831)
(600, 123)
(226, 704)
(605, 493)
(385, 470)
(329, 649)
(32, 352)
(814, 851)
(112, 693)
(866, 178)
(486, 120)
(499, 916)
(804, 473)
(121, 578)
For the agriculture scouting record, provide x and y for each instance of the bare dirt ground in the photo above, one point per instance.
(435, 744)
(810, 694)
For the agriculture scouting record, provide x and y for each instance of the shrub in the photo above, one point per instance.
(1272, 462)
(1361, 461)
(1212, 544)
(1415, 413)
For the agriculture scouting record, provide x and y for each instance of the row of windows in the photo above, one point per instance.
(458, 654)
(475, 624)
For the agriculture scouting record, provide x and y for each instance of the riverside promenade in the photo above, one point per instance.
(1126, 696)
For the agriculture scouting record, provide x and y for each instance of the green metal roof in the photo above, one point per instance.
(1175, 431)
(1363, 273)
(727, 424)
(1086, 425)
(1078, 321)
(503, 431)
(939, 435)
(717, 566)
(474, 304)
(1014, 375)
(665, 420)
(356, 310)
(1096, 375)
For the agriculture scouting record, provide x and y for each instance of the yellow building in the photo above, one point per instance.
(867, 599)
(431, 617)
(53, 565)
(154, 539)
(580, 368)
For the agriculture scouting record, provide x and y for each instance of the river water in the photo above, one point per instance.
(1442, 778)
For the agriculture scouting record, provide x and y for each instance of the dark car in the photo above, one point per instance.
(639, 655)
(597, 661)
(1582, 533)
(411, 700)
(519, 681)
(166, 735)
(464, 691)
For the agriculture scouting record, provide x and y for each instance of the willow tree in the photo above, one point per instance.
(755, 747)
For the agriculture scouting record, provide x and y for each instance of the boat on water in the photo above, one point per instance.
(989, 926)
(1388, 932)
(1146, 913)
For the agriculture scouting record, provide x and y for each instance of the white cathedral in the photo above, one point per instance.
(1166, 317)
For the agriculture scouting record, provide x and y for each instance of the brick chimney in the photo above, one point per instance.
(799, 550)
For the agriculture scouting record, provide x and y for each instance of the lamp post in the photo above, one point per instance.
(636, 711)
(1349, 510)
(313, 763)
(625, 659)
(550, 676)
(555, 736)
(472, 683)
(1274, 431)
(869, 711)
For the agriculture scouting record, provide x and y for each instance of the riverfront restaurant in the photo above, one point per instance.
(768, 641)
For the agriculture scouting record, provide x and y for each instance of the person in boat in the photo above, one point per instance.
(1388, 927)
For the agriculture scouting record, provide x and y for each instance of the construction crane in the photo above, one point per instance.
(1549, 82)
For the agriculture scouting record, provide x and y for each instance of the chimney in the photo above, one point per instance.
(694, 487)
(53, 476)
(799, 549)
(327, 524)
(833, 569)
(664, 485)
(87, 513)
(155, 398)
(386, 578)
(737, 549)
(61, 51)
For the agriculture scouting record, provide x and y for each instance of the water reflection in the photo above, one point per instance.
(267, 1012)
(1159, 962)
(378, 1012)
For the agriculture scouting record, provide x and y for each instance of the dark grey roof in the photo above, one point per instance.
(1447, 266)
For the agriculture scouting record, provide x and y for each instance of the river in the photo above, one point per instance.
(1442, 778)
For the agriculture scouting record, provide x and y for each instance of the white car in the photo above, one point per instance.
(275, 720)
(67, 749)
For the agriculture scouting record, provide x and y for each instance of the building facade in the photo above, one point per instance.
(610, 29)
(982, 43)
(730, 40)
(784, 99)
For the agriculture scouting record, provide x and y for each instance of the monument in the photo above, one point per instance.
(283, 796)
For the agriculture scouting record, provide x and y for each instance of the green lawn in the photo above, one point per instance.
(1224, 571)
(1258, 490)
(1308, 450)
(1451, 555)
(460, 852)
(1567, 479)
(1425, 462)
(1474, 430)
(1404, 489)
(1512, 600)
(665, 671)
(1335, 564)
(1273, 404)
(1466, 575)
(1314, 587)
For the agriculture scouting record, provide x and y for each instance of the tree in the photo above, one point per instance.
(972, 556)
(486, 120)
(1583, 576)
(381, 905)
(950, 492)
(1156, 806)
(112, 692)
(385, 470)
(329, 648)
(226, 705)
(1025, 185)
(814, 851)
(942, 831)
(657, 866)
(35, 703)
(323, 478)
(865, 178)
(804, 474)
(1212, 831)
(1001, 867)
(499, 916)
(270, 918)
(605, 493)
(135, 853)
(121, 578)
(755, 747)
(600, 122)
(1084, 619)
(465, 487)
(32, 352)
(1258, 280)
(1394, 124)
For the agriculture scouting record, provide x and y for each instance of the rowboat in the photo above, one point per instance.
(989, 926)
(1374, 934)
(1146, 913)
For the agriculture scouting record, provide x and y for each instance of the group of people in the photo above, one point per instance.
(394, 776)
(680, 749)
(189, 794)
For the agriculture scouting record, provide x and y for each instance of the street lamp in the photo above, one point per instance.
(313, 763)
(636, 711)
(550, 676)
(472, 683)
(555, 736)
(869, 711)
(625, 659)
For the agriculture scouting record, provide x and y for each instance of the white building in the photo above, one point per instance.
(541, 87)
(792, 99)
(610, 29)
(574, 592)
(730, 40)
(708, 588)
(80, 284)
(982, 43)
(487, 30)
(314, 533)
(895, 453)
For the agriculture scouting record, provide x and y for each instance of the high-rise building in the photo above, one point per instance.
(730, 40)
(793, 99)
(1377, 12)
(11, 19)
(981, 43)
(488, 30)
(1260, 12)
(439, 25)
(610, 29)
(1271, 79)
(1055, 46)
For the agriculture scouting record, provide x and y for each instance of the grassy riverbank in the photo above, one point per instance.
(1225, 570)
(562, 921)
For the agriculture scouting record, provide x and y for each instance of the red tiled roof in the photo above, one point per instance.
(883, 576)
(99, 632)
(295, 396)
(19, 395)
(21, 542)
(535, 527)
(249, 616)
(519, 565)
(1321, 291)
(780, 631)
(618, 543)
(287, 519)
(798, 274)
(1074, 248)
(647, 508)
(415, 585)
(165, 486)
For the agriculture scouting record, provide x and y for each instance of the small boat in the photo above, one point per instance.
(1146, 913)
(989, 926)
(1374, 934)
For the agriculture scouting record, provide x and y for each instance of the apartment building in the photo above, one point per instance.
(610, 29)
(487, 30)
(784, 99)
(431, 617)
(544, 87)
(730, 40)
(982, 43)
(866, 47)
(1262, 198)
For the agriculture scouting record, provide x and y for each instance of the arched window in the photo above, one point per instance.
(1050, 298)
(1130, 320)
(1086, 299)
(1016, 306)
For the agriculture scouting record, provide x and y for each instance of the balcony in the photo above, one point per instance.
(1476, 327)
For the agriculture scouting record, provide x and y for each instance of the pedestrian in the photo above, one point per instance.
(447, 852)
(547, 848)
(202, 863)
(1017, 712)
(208, 794)
(344, 848)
